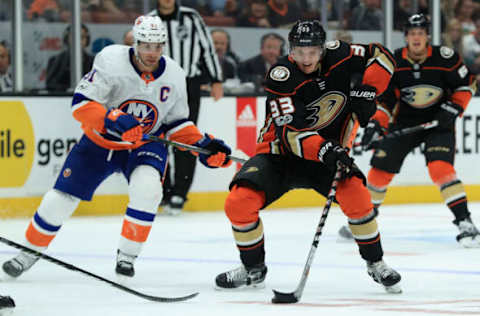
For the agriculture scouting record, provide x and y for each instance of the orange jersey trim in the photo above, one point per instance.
(461, 98)
(187, 135)
(376, 76)
(91, 114)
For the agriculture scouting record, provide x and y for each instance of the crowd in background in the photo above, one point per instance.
(460, 25)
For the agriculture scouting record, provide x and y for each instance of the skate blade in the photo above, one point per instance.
(470, 242)
(253, 287)
(393, 289)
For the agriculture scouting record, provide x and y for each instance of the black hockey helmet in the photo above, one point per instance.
(307, 33)
(417, 20)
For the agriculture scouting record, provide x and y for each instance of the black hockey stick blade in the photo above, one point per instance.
(284, 298)
(114, 284)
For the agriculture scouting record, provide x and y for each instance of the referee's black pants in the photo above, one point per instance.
(183, 168)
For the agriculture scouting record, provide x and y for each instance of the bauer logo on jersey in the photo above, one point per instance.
(421, 96)
(280, 73)
(146, 112)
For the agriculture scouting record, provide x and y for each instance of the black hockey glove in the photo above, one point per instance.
(332, 154)
(447, 114)
(371, 135)
(362, 98)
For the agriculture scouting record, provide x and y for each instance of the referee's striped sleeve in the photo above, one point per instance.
(208, 49)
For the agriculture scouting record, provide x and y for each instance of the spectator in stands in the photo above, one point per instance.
(256, 15)
(227, 59)
(402, 10)
(344, 35)
(113, 11)
(233, 8)
(463, 13)
(6, 81)
(471, 46)
(254, 69)
(367, 16)
(46, 10)
(128, 38)
(58, 68)
(453, 36)
(282, 13)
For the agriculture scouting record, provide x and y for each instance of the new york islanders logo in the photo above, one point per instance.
(144, 111)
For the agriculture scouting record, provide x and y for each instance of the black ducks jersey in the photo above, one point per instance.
(304, 110)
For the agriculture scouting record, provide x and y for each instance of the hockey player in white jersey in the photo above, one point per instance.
(128, 93)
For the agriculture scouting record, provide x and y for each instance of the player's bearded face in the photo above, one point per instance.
(150, 53)
(417, 41)
(307, 58)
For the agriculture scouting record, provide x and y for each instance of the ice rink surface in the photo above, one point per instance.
(184, 254)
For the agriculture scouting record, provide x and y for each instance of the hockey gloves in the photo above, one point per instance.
(362, 99)
(332, 154)
(447, 114)
(371, 135)
(219, 151)
(119, 122)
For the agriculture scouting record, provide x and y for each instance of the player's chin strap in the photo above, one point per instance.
(192, 147)
(404, 131)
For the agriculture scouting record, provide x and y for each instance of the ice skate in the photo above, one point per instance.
(384, 275)
(469, 236)
(242, 277)
(175, 206)
(124, 266)
(19, 264)
(6, 305)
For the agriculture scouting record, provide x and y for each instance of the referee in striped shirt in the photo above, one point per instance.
(189, 44)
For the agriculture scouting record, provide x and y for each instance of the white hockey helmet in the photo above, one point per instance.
(149, 29)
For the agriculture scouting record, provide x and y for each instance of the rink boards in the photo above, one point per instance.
(36, 134)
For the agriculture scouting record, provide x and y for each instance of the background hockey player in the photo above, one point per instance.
(310, 123)
(429, 83)
(130, 91)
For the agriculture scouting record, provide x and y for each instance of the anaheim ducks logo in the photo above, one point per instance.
(325, 109)
(280, 73)
(421, 96)
(144, 111)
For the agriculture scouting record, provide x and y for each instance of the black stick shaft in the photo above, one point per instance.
(189, 147)
(294, 296)
(90, 274)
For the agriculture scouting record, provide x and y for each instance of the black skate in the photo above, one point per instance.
(384, 275)
(125, 264)
(6, 305)
(469, 236)
(19, 264)
(242, 277)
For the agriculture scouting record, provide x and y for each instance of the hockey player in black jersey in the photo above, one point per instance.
(312, 116)
(429, 83)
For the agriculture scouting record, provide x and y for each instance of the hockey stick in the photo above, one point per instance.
(114, 284)
(405, 131)
(294, 297)
(188, 147)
